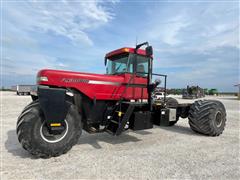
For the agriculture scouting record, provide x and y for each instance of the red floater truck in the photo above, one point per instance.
(65, 103)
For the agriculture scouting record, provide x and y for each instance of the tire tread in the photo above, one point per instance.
(200, 119)
(24, 126)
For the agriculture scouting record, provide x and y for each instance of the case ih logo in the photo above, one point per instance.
(72, 80)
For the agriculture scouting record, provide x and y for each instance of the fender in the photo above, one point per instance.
(54, 105)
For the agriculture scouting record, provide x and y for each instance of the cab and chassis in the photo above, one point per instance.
(65, 103)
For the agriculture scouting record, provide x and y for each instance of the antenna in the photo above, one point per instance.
(136, 41)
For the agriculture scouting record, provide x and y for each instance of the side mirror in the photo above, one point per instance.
(157, 82)
(149, 51)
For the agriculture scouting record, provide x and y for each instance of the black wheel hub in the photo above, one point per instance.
(53, 136)
(218, 119)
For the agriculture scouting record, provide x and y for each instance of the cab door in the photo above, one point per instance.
(141, 76)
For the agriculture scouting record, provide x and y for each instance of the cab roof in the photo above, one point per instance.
(125, 50)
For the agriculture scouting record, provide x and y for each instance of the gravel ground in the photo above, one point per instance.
(159, 153)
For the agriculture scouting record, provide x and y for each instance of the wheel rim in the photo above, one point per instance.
(50, 138)
(218, 119)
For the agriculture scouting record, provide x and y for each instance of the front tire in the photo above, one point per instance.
(207, 117)
(34, 136)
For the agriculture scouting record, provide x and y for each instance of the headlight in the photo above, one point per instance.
(42, 78)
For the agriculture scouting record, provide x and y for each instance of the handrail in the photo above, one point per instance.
(165, 82)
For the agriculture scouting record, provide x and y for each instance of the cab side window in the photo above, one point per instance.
(142, 66)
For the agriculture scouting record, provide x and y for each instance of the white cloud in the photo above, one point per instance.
(224, 38)
(69, 19)
(25, 23)
(197, 27)
(167, 32)
(22, 66)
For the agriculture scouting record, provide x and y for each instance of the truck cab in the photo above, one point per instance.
(133, 67)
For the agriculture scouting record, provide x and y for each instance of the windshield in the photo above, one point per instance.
(118, 64)
(124, 63)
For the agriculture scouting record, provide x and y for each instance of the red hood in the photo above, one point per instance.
(65, 78)
(95, 86)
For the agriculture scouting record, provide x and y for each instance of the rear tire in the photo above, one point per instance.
(31, 131)
(207, 117)
(171, 102)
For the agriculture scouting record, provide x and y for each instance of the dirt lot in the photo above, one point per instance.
(162, 152)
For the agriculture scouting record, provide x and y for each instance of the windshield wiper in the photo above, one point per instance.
(118, 69)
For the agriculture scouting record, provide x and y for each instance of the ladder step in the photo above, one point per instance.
(125, 119)
(115, 122)
(112, 127)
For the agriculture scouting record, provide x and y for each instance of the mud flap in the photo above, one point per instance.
(54, 106)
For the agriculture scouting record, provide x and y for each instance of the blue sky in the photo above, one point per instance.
(194, 42)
